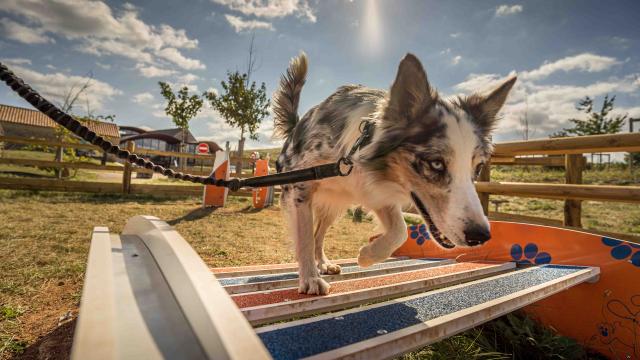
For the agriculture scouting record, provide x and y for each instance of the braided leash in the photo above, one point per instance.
(68, 122)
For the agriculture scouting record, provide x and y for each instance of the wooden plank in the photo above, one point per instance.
(573, 175)
(220, 328)
(59, 185)
(126, 174)
(291, 279)
(395, 285)
(562, 191)
(55, 164)
(97, 306)
(485, 175)
(557, 161)
(49, 143)
(501, 216)
(390, 328)
(254, 270)
(627, 142)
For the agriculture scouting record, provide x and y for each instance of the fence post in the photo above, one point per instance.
(126, 174)
(485, 175)
(574, 164)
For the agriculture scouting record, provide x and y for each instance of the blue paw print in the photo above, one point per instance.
(622, 250)
(419, 233)
(531, 255)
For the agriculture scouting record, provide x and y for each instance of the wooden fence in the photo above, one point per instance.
(561, 152)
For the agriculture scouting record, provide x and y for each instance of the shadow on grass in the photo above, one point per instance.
(250, 210)
(53, 346)
(195, 214)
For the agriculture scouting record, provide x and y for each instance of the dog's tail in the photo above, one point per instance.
(287, 97)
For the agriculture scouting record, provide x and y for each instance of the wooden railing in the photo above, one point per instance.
(572, 192)
(562, 152)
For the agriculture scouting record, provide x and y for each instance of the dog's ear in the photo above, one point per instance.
(410, 92)
(485, 108)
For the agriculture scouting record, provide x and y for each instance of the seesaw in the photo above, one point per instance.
(147, 294)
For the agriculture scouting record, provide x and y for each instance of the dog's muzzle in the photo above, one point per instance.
(433, 229)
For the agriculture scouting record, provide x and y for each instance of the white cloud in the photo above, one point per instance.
(17, 61)
(103, 66)
(173, 55)
(188, 78)
(456, 60)
(54, 86)
(99, 31)
(584, 62)
(271, 8)
(549, 106)
(24, 34)
(143, 98)
(151, 71)
(455, 35)
(239, 24)
(504, 10)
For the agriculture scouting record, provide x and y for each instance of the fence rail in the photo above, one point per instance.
(561, 152)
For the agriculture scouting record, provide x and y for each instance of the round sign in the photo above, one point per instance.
(203, 148)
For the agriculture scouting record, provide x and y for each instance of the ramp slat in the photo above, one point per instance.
(393, 327)
(246, 284)
(253, 270)
(263, 307)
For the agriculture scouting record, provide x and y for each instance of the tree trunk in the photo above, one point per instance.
(183, 145)
(240, 153)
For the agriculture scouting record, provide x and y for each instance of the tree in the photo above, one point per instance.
(181, 107)
(597, 123)
(242, 105)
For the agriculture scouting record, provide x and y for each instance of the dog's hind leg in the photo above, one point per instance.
(395, 234)
(324, 216)
(301, 228)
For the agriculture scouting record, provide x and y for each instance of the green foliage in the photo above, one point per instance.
(514, 336)
(635, 158)
(597, 122)
(358, 214)
(241, 104)
(9, 312)
(181, 107)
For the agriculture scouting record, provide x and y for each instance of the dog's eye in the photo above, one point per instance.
(436, 165)
(479, 168)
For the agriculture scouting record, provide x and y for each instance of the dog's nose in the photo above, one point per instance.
(476, 235)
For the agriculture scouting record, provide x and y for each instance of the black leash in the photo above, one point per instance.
(67, 121)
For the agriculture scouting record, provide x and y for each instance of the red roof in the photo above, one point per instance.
(30, 117)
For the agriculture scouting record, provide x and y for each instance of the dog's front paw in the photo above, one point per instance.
(367, 257)
(329, 268)
(313, 286)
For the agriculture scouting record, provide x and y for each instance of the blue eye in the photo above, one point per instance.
(436, 165)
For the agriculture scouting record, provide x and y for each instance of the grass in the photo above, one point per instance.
(44, 258)
(44, 255)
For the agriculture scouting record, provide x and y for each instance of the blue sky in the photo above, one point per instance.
(561, 50)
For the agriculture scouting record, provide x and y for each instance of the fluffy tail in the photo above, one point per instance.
(287, 97)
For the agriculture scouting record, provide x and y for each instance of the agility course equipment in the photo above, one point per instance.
(148, 294)
(217, 195)
(262, 196)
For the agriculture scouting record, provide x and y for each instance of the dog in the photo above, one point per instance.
(425, 150)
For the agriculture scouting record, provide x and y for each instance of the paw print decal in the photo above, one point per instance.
(531, 255)
(622, 250)
(419, 233)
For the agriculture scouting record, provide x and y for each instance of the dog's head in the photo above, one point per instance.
(437, 148)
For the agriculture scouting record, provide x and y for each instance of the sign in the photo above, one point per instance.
(203, 148)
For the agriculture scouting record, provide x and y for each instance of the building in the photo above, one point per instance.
(22, 122)
(164, 140)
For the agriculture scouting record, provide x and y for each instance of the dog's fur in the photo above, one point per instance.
(425, 150)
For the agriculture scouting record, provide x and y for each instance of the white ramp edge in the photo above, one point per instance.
(150, 255)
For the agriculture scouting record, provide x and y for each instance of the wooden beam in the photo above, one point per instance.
(628, 142)
(55, 164)
(485, 175)
(573, 175)
(126, 174)
(49, 143)
(562, 191)
(529, 161)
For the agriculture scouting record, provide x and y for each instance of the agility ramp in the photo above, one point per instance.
(147, 294)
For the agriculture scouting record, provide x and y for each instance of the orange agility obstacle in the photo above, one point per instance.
(147, 294)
